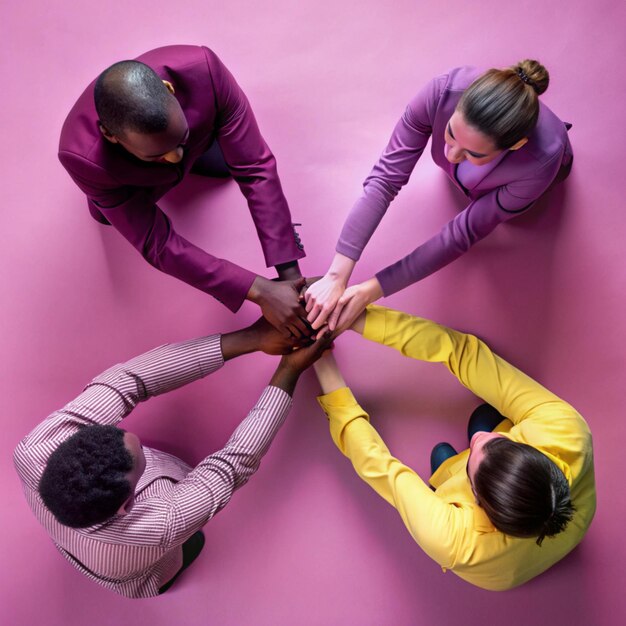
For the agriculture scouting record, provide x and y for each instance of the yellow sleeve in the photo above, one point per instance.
(435, 525)
(506, 388)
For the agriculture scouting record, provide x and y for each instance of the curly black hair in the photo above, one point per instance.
(85, 482)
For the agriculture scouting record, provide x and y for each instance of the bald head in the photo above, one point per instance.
(130, 96)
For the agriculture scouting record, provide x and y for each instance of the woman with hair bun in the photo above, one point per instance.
(496, 141)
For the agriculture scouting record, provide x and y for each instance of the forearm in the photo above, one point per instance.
(210, 485)
(341, 268)
(239, 342)
(150, 231)
(468, 358)
(388, 176)
(285, 378)
(357, 439)
(470, 226)
(252, 438)
(328, 373)
(289, 271)
(163, 369)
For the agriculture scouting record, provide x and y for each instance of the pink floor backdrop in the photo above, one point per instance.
(305, 542)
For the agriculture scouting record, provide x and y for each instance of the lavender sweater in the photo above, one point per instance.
(508, 187)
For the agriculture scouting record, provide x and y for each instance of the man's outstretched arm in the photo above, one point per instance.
(208, 488)
(112, 395)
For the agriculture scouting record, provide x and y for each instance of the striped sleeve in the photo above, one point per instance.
(112, 395)
(208, 488)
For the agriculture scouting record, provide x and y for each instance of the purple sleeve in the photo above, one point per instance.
(470, 226)
(253, 167)
(149, 230)
(392, 172)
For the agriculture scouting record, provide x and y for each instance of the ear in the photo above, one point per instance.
(519, 144)
(169, 86)
(123, 510)
(108, 135)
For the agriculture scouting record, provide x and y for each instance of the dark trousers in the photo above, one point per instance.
(191, 549)
(211, 163)
(484, 418)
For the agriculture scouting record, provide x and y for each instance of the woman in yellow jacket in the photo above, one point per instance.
(493, 504)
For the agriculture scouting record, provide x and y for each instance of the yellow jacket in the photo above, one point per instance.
(447, 523)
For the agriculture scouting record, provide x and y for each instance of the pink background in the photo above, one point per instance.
(306, 542)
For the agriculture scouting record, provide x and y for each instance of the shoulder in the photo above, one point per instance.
(549, 137)
(174, 58)
(444, 90)
(181, 61)
(460, 78)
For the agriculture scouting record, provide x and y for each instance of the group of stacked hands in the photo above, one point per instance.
(128, 516)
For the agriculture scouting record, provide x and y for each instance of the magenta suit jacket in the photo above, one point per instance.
(496, 194)
(123, 190)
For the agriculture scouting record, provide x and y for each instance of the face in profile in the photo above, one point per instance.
(477, 452)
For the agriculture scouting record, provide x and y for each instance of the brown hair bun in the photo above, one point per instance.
(534, 74)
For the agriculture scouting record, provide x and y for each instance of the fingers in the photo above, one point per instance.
(321, 318)
(312, 307)
(284, 331)
(349, 314)
(300, 326)
(317, 312)
(323, 343)
(336, 313)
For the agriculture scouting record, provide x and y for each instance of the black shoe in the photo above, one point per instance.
(440, 453)
(484, 418)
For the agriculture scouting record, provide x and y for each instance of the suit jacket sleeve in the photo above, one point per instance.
(132, 212)
(253, 167)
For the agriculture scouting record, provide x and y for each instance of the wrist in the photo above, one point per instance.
(257, 289)
(373, 290)
(237, 343)
(285, 377)
(337, 277)
(288, 271)
(251, 338)
(341, 268)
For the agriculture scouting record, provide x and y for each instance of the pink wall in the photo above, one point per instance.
(305, 542)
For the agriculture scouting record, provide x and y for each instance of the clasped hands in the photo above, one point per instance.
(301, 317)
(302, 309)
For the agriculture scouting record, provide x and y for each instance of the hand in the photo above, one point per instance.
(264, 337)
(307, 283)
(299, 360)
(281, 305)
(321, 298)
(352, 303)
(292, 365)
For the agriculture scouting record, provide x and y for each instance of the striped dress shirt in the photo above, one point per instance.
(137, 553)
